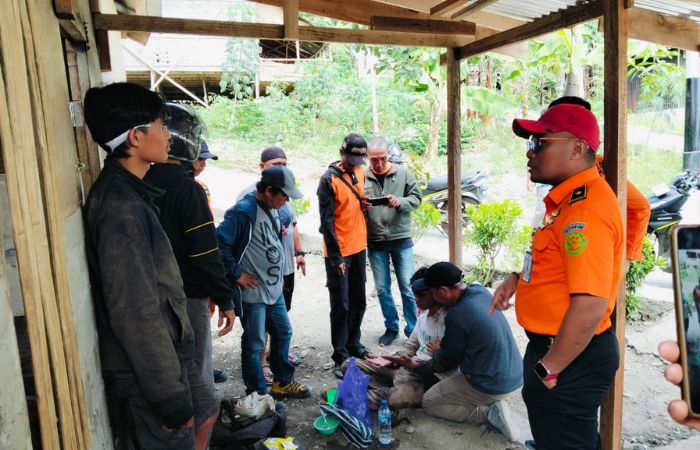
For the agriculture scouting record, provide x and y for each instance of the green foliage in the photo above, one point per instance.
(488, 102)
(517, 244)
(240, 65)
(491, 225)
(300, 205)
(637, 273)
(661, 79)
(424, 218)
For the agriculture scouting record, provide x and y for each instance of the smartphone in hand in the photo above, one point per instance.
(685, 260)
(378, 201)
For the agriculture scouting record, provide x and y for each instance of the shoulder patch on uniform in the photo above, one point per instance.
(574, 226)
(575, 243)
(578, 194)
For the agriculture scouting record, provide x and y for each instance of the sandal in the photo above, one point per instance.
(267, 373)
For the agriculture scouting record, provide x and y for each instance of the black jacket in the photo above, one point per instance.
(140, 305)
(188, 222)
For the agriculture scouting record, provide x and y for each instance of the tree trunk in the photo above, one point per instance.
(437, 105)
(375, 108)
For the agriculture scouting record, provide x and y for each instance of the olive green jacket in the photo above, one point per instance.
(388, 224)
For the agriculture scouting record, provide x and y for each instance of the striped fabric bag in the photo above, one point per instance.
(354, 431)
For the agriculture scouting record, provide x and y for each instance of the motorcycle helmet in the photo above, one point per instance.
(186, 131)
(395, 154)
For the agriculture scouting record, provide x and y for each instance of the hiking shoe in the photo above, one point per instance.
(388, 337)
(220, 376)
(293, 389)
(499, 419)
(530, 445)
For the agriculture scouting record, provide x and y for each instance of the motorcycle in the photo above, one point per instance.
(435, 189)
(473, 193)
(666, 203)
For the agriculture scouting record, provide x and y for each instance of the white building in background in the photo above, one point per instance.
(194, 62)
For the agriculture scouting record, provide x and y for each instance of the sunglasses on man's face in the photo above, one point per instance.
(536, 143)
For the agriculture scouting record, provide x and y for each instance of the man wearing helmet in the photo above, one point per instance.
(188, 222)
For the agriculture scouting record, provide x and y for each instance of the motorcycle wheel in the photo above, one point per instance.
(444, 225)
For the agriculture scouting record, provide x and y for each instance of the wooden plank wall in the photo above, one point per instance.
(36, 135)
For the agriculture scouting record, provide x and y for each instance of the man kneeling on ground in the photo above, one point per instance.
(483, 347)
(391, 377)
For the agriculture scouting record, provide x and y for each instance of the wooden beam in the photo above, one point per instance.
(105, 22)
(472, 8)
(65, 9)
(355, 11)
(444, 7)
(615, 139)
(73, 29)
(552, 22)
(454, 158)
(665, 30)
(422, 25)
(291, 20)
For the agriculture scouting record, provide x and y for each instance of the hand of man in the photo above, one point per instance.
(677, 409)
(365, 204)
(248, 281)
(503, 294)
(301, 264)
(228, 317)
(403, 360)
(341, 269)
(433, 345)
(394, 202)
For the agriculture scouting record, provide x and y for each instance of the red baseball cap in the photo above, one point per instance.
(574, 119)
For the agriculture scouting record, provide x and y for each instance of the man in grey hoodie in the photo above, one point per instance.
(389, 234)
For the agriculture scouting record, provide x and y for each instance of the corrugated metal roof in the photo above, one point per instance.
(529, 10)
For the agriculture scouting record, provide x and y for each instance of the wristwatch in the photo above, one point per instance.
(543, 372)
(299, 253)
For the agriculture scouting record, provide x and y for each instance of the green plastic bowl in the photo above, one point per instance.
(326, 425)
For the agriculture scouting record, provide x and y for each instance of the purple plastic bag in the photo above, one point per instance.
(352, 393)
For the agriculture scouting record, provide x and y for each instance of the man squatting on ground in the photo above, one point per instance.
(294, 254)
(187, 220)
(342, 205)
(250, 238)
(482, 347)
(156, 394)
(568, 285)
(389, 235)
(390, 377)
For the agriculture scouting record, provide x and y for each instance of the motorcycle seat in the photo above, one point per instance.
(439, 183)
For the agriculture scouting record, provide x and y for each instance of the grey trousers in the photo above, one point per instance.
(454, 399)
(198, 312)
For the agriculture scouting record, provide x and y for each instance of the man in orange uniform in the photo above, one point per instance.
(567, 288)
(342, 204)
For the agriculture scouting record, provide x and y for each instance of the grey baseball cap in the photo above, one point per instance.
(283, 178)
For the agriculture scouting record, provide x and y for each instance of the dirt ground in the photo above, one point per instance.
(646, 424)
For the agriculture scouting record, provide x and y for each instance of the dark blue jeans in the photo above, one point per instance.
(402, 260)
(258, 317)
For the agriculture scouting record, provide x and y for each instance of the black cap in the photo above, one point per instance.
(443, 274)
(355, 148)
(204, 152)
(273, 152)
(283, 178)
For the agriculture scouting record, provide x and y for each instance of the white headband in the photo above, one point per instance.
(119, 140)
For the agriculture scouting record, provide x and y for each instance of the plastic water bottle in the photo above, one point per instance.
(384, 419)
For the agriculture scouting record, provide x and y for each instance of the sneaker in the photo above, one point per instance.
(220, 376)
(388, 337)
(293, 389)
(530, 445)
(338, 371)
(499, 419)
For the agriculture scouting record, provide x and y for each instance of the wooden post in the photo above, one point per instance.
(291, 20)
(615, 138)
(454, 158)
